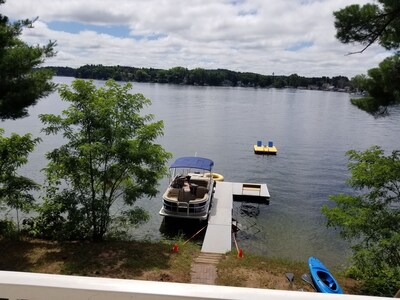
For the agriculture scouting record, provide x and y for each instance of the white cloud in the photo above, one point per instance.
(252, 35)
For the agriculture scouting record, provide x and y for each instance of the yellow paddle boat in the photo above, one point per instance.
(259, 148)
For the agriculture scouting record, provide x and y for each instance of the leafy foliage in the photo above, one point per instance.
(20, 85)
(370, 23)
(367, 24)
(110, 158)
(15, 190)
(382, 85)
(8, 230)
(359, 82)
(371, 219)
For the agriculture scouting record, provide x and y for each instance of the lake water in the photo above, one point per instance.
(311, 129)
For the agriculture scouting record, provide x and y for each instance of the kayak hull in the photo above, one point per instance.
(322, 278)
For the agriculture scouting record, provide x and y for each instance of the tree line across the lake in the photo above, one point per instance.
(204, 77)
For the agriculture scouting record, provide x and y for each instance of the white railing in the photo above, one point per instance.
(35, 286)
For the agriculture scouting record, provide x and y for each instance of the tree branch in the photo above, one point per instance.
(379, 32)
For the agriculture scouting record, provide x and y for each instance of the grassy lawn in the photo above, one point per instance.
(132, 260)
(151, 261)
(264, 272)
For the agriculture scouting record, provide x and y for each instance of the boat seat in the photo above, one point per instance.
(201, 191)
(181, 195)
(180, 182)
(173, 192)
(199, 182)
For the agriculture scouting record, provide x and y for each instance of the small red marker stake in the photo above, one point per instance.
(240, 253)
(175, 248)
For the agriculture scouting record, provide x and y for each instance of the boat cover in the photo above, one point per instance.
(193, 162)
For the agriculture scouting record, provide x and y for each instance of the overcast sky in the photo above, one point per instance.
(262, 36)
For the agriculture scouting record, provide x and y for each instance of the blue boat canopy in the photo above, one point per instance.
(193, 162)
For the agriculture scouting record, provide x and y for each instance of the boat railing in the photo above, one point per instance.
(183, 205)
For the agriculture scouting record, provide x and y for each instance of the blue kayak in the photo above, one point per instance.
(322, 278)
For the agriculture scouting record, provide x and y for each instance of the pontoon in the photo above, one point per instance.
(190, 189)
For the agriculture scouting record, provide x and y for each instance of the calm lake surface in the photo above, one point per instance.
(311, 129)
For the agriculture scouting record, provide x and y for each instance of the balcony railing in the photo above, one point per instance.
(35, 286)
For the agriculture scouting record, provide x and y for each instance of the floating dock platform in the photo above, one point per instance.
(218, 237)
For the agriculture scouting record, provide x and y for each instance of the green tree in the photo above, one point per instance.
(383, 85)
(20, 85)
(279, 82)
(359, 82)
(265, 81)
(215, 77)
(370, 23)
(197, 76)
(142, 76)
(293, 80)
(370, 219)
(248, 79)
(110, 157)
(15, 190)
(177, 75)
(162, 76)
(367, 24)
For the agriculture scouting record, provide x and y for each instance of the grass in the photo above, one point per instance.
(264, 272)
(261, 272)
(131, 260)
(155, 261)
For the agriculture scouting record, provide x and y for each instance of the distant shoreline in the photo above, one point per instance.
(205, 77)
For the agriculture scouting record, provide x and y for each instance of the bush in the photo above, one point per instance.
(8, 230)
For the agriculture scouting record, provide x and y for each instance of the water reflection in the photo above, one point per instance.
(184, 229)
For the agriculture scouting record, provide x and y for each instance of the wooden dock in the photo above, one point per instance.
(218, 238)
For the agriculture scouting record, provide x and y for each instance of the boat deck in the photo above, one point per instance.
(218, 237)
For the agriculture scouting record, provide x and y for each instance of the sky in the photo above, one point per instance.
(262, 36)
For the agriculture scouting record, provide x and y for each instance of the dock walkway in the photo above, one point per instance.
(218, 238)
